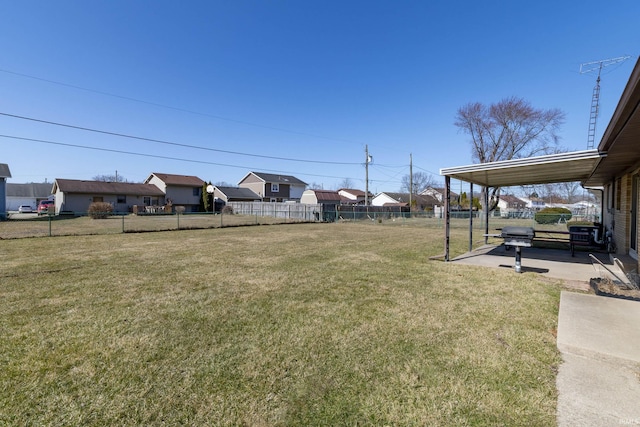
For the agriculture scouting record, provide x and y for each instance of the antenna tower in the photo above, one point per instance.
(589, 67)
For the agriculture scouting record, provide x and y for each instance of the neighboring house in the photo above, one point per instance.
(73, 195)
(27, 194)
(235, 194)
(438, 194)
(534, 204)
(350, 196)
(4, 174)
(274, 187)
(510, 204)
(420, 202)
(179, 190)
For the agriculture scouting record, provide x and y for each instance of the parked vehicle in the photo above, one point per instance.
(46, 207)
(25, 209)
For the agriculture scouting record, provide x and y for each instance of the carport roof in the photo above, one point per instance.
(563, 167)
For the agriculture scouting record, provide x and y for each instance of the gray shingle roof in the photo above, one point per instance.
(278, 178)
(101, 187)
(34, 190)
(4, 171)
(238, 193)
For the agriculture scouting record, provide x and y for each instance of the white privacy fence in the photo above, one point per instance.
(296, 211)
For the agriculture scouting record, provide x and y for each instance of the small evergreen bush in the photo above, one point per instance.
(552, 215)
(100, 210)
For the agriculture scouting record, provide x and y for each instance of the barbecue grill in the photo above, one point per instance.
(519, 237)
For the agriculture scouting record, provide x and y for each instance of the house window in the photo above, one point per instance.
(146, 200)
(275, 188)
(618, 193)
(196, 191)
(122, 199)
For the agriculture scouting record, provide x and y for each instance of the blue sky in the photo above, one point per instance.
(243, 82)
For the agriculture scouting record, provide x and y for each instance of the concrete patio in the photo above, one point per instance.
(552, 263)
(598, 382)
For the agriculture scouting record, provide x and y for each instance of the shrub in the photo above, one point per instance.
(228, 210)
(100, 210)
(552, 215)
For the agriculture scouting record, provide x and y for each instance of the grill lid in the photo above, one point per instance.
(514, 232)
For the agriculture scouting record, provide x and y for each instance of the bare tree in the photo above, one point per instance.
(110, 178)
(316, 186)
(421, 180)
(509, 129)
(570, 191)
(346, 183)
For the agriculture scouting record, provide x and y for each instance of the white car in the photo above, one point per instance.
(25, 209)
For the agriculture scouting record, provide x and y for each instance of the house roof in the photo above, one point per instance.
(238, 193)
(326, 195)
(4, 171)
(101, 187)
(276, 178)
(419, 198)
(31, 190)
(511, 199)
(178, 180)
(354, 192)
(439, 190)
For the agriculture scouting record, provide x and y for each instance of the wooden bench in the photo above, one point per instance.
(572, 238)
(576, 238)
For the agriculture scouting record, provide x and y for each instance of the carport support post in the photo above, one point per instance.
(447, 214)
(470, 198)
(486, 215)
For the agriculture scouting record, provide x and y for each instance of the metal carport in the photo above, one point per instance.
(563, 167)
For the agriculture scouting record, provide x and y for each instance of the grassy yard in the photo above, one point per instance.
(301, 324)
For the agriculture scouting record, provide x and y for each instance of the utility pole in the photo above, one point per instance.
(367, 159)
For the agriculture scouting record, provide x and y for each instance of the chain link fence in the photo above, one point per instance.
(20, 225)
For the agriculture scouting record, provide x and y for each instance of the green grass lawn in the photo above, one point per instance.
(303, 324)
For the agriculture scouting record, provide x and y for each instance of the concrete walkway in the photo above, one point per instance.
(599, 381)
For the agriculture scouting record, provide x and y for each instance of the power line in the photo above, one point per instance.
(111, 150)
(177, 144)
(184, 110)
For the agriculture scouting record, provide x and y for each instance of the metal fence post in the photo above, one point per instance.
(49, 225)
